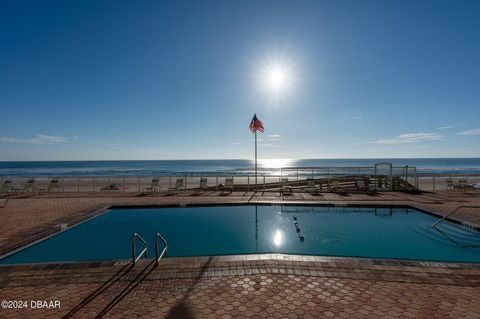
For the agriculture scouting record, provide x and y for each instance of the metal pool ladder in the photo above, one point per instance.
(144, 251)
(164, 251)
(451, 213)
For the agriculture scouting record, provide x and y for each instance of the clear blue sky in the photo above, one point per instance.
(179, 80)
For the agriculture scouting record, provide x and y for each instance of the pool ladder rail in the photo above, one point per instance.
(144, 251)
(165, 247)
(451, 213)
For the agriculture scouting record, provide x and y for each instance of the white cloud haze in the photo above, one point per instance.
(409, 138)
(37, 140)
(475, 131)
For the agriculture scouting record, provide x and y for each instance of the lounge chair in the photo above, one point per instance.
(113, 187)
(286, 188)
(7, 186)
(179, 185)
(54, 185)
(154, 186)
(460, 185)
(450, 185)
(465, 186)
(30, 186)
(202, 186)
(312, 188)
(228, 187)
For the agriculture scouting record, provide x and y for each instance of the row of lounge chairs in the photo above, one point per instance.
(180, 185)
(335, 185)
(461, 185)
(30, 186)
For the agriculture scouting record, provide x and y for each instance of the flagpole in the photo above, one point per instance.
(255, 160)
(256, 229)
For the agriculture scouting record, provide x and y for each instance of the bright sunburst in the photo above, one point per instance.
(276, 78)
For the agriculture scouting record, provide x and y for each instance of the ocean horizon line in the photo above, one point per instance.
(238, 159)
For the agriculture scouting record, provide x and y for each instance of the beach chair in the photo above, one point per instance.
(179, 185)
(465, 186)
(312, 188)
(202, 186)
(113, 187)
(154, 186)
(457, 185)
(54, 185)
(450, 185)
(29, 186)
(228, 187)
(286, 189)
(7, 186)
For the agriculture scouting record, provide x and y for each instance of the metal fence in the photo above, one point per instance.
(438, 182)
(427, 182)
(192, 180)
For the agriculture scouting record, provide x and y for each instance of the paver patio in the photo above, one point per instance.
(257, 286)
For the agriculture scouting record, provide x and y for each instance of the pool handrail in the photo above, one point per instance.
(164, 251)
(143, 252)
(451, 213)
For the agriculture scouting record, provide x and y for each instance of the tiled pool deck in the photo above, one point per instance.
(257, 286)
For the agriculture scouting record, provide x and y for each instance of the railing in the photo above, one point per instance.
(438, 182)
(450, 214)
(105, 184)
(135, 258)
(192, 180)
(164, 251)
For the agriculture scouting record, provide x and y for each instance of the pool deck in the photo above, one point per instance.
(257, 286)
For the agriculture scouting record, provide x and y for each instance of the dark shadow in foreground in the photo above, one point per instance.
(182, 309)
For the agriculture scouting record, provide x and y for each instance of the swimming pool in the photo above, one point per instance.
(400, 233)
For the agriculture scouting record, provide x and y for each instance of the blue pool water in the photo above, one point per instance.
(219, 230)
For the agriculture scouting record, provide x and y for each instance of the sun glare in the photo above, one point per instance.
(269, 163)
(276, 78)
(278, 238)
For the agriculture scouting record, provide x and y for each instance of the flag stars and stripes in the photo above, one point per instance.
(256, 125)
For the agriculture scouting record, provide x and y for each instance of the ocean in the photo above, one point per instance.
(212, 167)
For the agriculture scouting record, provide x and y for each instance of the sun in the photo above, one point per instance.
(276, 78)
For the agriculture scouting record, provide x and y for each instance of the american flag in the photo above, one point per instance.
(256, 124)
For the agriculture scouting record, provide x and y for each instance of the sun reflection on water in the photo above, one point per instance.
(278, 238)
(275, 163)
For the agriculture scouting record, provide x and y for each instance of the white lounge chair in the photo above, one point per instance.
(54, 185)
(450, 185)
(228, 187)
(154, 186)
(312, 188)
(202, 185)
(179, 185)
(465, 186)
(286, 188)
(7, 186)
(460, 185)
(29, 186)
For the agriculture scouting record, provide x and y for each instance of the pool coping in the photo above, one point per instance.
(94, 213)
